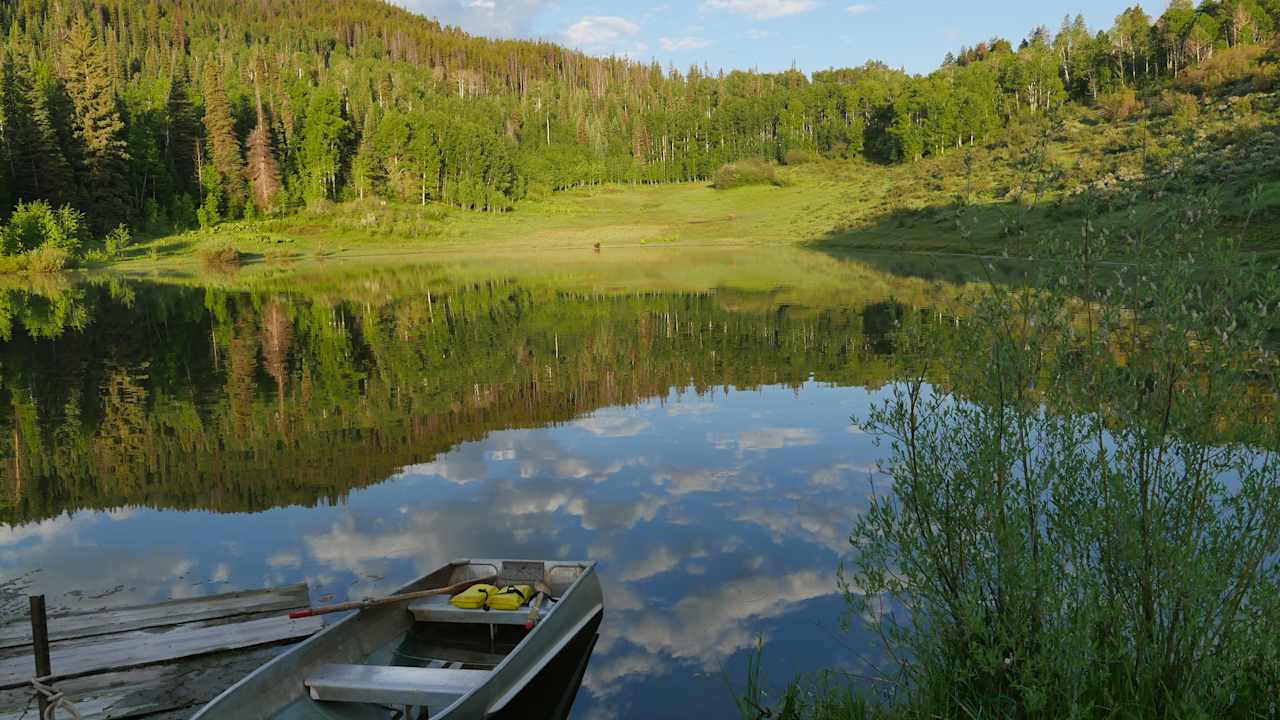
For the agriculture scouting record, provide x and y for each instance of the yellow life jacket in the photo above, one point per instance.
(491, 597)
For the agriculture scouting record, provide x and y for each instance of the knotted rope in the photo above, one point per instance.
(53, 699)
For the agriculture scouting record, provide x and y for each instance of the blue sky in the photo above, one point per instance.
(769, 34)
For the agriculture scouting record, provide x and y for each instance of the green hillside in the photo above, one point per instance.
(140, 117)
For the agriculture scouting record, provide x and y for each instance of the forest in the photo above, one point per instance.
(120, 117)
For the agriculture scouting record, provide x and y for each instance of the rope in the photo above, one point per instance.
(53, 699)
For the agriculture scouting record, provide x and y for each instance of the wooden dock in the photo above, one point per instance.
(158, 661)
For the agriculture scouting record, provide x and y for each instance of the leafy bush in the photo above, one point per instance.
(36, 224)
(798, 157)
(210, 213)
(1120, 105)
(745, 172)
(48, 259)
(117, 241)
(221, 255)
(1182, 107)
(1084, 519)
(1234, 69)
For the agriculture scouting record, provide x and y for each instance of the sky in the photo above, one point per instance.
(769, 35)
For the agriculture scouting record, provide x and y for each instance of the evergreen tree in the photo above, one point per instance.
(220, 138)
(98, 126)
(14, 113)
(264, 172)
(182, 134)
(52, 178)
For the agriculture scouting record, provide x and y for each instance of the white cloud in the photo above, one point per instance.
(503, 18)
(57, 558)
(818, 521)
(284, 560)
(465, 464)
(654, 12)
(697, 407)
(686, 481)
(601, 30)
(605, 425)
(45, 530)
(636, 52)
(770, 438)
(858, 9)
(221, 573)
(755, 34)
(683, 43)
(661, 560)
(762, 9)
(708, 625)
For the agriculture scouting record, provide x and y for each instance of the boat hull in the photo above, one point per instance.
(277, 690)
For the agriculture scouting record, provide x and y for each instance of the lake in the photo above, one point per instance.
(686, 422)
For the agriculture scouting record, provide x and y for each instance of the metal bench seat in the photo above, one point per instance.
(393, 685)
(438, 609)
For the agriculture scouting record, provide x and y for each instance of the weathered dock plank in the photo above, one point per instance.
(17, 633)
(138, 648)
(148, 691)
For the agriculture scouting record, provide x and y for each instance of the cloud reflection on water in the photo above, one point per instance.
(702, 550)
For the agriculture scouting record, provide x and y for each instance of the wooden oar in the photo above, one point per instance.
(362, 604)
(543, 592)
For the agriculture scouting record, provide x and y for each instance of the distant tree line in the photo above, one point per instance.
(169, 115)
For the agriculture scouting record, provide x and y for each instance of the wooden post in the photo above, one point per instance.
(40, 644)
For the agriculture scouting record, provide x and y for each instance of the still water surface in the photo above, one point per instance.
(177, 439)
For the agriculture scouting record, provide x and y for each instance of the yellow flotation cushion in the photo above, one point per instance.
(510, 597)
(474, 597)
(492, 597)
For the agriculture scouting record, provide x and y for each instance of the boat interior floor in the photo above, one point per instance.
(446, 653)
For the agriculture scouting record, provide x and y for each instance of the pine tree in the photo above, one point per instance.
(264, 172)
(220, 136)
(11, 114)
(98, 126)
(182, 133)
(51, 176)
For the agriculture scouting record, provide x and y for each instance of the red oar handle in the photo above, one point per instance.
(296, 614)
(533, 612)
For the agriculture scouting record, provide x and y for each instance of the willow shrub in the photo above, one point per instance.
(1083, 518)
(742, 173)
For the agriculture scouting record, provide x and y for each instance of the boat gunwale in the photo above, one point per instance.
(586, 568)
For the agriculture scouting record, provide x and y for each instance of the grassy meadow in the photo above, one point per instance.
(980, 200)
